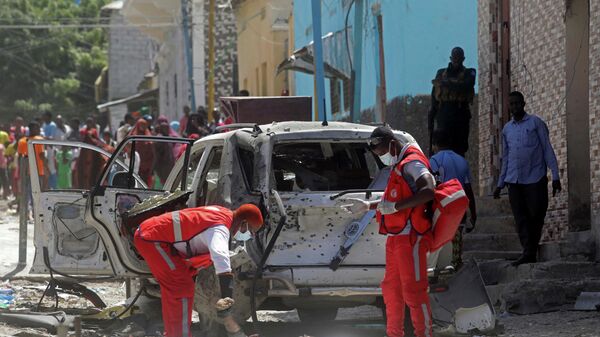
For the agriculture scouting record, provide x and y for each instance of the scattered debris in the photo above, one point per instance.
(57, 323)
(480, 318)
(7, 297)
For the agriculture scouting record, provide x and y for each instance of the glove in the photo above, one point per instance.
(224, 306)
(497, 193)
(556, 187)
(355, 206)
(387, 207)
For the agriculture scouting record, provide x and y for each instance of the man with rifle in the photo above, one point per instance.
(451, 96)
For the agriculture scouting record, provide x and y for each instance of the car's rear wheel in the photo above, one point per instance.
(317, 315)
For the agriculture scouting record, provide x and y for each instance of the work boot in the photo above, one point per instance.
(522, 260)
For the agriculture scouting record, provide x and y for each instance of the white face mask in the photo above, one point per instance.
(239, 236)
(387, 159)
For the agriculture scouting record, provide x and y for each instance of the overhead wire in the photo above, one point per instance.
(28, 67)
(68, 26)
(50, 74)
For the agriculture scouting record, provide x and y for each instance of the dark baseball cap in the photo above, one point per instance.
(382, 134)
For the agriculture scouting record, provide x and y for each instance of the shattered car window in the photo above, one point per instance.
(62, 167)
(247, 164)
(191, 170)
(323, 166)
(149, 162)
(208, 185)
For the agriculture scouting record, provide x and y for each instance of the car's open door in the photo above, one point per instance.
(62, 176)
(119, 189)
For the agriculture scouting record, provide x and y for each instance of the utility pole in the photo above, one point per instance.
(318, 59)
(211, 59)
(185, 30)
(357, 59)
(381, 86)
(23, 210)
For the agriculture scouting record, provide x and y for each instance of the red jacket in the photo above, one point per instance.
(398, 189)
(183, 225)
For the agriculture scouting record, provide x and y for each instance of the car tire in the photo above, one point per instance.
(317, 315)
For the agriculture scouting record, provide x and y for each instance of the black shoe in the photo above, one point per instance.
(523, 260)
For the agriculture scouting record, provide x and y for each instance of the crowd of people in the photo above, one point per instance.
(66, 167)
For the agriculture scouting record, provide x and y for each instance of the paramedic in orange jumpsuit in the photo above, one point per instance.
(401, 215)
(175, 244)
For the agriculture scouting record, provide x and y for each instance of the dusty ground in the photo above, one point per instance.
(365, 321)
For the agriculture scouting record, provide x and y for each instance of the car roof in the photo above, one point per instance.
(278, 128)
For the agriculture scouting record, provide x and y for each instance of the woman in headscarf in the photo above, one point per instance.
(145, 149)
(165, 151)
(89, 161)
(196, 125)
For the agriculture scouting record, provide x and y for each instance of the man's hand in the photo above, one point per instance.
(497, 193)
(387, 207)
(355, 206)
(556, 187)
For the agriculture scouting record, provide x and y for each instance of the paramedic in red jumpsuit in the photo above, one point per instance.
(401, 215)
(175, 244)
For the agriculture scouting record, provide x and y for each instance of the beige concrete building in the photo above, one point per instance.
(262, 43)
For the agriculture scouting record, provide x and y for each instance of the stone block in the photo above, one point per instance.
(485, 255)
(494, 242)
(537, 296)
(495, 224)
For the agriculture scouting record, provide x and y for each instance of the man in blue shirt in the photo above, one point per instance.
(526, 156)
(447, 164)
(49, 127)
(50, 132)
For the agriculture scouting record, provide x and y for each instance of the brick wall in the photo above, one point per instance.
(487, 87)
(538, 70)
(595, 111)
(129, 58)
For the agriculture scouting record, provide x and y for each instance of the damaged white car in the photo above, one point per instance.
(310, 255)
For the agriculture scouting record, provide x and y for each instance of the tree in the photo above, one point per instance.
(51, 68)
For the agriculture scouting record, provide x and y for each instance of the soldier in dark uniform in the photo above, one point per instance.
(451, 96)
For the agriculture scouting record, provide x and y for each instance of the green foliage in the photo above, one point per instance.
(51, 68)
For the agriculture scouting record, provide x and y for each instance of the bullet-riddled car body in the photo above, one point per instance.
(310, 168)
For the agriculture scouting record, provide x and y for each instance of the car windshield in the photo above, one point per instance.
(323, 166)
